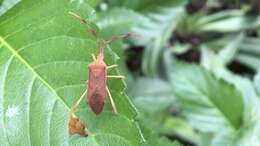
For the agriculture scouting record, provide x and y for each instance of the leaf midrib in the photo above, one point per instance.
(19, 57)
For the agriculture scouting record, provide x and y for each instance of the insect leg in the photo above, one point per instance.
(111, 100)
(114, 38)
(116, 77)
(76, 126)
(112, 66)
(94, 57)
(75, 106)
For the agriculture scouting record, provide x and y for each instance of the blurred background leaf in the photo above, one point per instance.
(220, 39)
(192, 69)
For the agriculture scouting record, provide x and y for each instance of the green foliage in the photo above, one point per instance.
(213, 101)
(257, 82)
(153, 21)
(43, 70)
(110, 129)
(213, 105)
(6, 5)
(219, 102)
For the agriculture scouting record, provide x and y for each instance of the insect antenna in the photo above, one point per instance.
(92, 31)
(111, 39)
(101, 45)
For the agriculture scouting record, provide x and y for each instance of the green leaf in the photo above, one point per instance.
(117, 128)
(249, 60)
(114, 20)
(215, 65)
(208, 103)
(227, 54)
(153, 21)
(158, 31)
(250, 45)
(155, 140)
(93, 3)
(180, 48)
(181, 128)
(44, 55)
(249, 52)
(113, 23)
(257, 81)
(99, 140)
(145, 6)
(249, 133)
(5, 5)
(157, 92)
(213, 61)
(228, 21)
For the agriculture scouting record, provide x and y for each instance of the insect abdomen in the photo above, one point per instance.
(97, 87)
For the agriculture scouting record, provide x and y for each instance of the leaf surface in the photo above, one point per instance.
(209, 103)
(44, 55)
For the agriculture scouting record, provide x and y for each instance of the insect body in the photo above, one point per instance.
(97, 89)
(97, 85)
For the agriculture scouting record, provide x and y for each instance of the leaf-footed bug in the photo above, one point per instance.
(97, 88)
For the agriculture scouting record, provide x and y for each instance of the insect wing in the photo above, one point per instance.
(97, 87)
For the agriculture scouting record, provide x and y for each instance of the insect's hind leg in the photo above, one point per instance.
(114, 109)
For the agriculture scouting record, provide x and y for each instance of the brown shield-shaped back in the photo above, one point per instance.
(97, 86)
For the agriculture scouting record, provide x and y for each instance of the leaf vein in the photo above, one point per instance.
(50, 119)
(18, 56)
(60, 62)
(29, 107)
(4, 77)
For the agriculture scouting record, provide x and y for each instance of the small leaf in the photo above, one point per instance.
(228, 21)
(227, 54)
(207, 102)
(157, 92)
